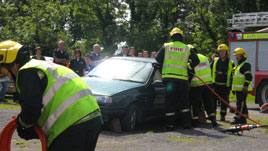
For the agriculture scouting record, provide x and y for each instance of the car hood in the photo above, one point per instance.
(109, 87)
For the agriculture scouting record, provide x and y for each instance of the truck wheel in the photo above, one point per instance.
(128, 122)
(263, 93)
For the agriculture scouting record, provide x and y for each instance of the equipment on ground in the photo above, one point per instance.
(238, 129)
(8, 130)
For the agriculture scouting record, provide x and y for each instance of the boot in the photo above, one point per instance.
(213, 121)
(235, 121)
(222, 118)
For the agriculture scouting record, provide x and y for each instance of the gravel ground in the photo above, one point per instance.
(150, 136)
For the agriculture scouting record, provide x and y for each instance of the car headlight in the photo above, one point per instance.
(103, 99)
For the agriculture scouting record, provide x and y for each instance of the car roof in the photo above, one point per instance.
(149, 60)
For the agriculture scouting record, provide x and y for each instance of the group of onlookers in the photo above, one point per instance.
(130, 52)
(83, 65)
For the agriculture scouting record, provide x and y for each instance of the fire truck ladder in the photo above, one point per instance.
(244, 20)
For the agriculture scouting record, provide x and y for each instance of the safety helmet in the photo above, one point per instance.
(9, 51)
(223, 47)
(190, 46)
(176, 31)
(240, 51)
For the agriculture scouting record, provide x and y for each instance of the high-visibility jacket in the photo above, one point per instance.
(67, 99)
(229, 72)
(176, 60)
(239, 79)
(203, 71)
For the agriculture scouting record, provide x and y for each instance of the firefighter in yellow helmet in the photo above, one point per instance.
(221, 77)
(200, 95)
(241, 84)
(53, 97)
(174, 57)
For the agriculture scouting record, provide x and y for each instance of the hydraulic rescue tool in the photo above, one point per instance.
(238, 129)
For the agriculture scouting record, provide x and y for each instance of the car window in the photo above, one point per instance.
(125, 70)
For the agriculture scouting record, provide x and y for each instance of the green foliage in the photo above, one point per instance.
(142, 23)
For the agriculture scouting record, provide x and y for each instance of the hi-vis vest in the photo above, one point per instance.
(203, 71)
(67, 98)
(229, 72)
(175, 61)
(239, 79)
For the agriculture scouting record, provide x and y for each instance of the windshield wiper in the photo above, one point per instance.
(127, 80)
(91, 75)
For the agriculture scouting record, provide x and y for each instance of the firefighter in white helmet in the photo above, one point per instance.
(174, 57)
(241, 84)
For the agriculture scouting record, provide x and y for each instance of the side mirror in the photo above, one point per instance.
(157, 65)
(158, 83)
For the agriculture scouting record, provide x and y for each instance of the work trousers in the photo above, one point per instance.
(177, 102)
(241, 105)
(199, 95)
(223, 92)
(80, 137)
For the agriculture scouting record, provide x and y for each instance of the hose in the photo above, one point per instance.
(8, 131)
(225, 102)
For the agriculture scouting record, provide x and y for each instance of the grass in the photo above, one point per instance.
(10, 106)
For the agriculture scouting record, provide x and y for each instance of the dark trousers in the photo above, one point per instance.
(177, 101)
(199, 95)
(80, 137)
(241, 105)
(223, 92)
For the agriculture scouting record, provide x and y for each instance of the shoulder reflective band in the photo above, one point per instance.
(256, 36)
(8, 131)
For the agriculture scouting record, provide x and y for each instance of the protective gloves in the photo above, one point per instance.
(245, 90)
(25, 133)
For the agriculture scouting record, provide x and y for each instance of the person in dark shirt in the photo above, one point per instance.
(173, 58)
(222, 77)
(95, 58)
(38, 54)
(60, 55)
(124, 52)
(78, 64)
(241, 84)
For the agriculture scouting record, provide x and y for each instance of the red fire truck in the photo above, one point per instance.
(256, 47)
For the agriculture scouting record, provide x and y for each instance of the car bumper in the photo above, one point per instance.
(112, 112)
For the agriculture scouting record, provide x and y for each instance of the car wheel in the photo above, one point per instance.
(263, 93)
(128, 122)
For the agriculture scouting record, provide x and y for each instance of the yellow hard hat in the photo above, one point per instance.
(190, 46)
(223, 47)
(9, 51)
(176, 31)
(240, 51)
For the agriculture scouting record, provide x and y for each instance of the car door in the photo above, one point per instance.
(158, 101)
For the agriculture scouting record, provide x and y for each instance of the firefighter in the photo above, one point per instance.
(221, 77)
(55, 98)
(173, 57)
(199, 91)
(241, 84)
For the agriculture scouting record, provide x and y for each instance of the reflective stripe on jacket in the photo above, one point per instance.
(229, 72)
(175, 61)
(203, 71)
(66, 99)
(239, 79)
